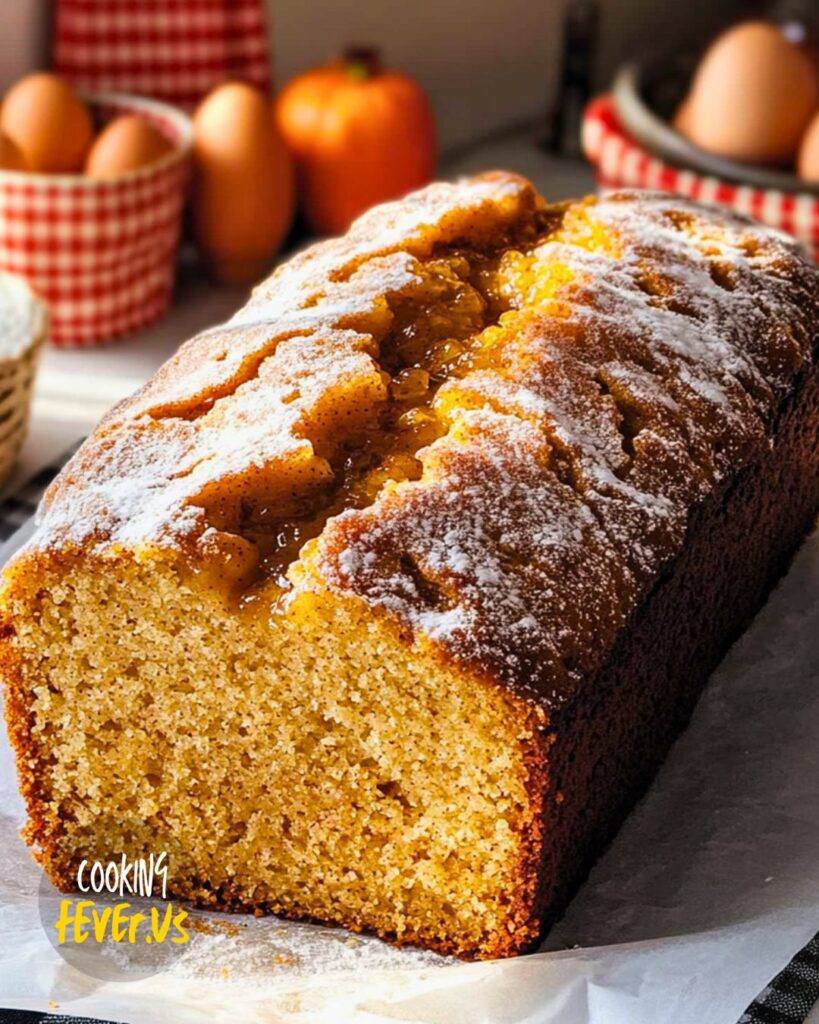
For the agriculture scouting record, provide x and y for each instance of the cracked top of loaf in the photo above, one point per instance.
(486, 417)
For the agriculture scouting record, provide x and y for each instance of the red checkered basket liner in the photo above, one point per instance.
(622, 163)
(102, 254)
(174, 50)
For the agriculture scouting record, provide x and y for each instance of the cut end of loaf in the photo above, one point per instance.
(319, 769)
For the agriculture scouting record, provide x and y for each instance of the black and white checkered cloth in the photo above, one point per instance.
(17, 508)
(33, 1017)
(793, 993)
(788, 999)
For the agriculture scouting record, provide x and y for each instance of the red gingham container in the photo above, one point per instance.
(622, 163)
(102, 254)
(175, 50)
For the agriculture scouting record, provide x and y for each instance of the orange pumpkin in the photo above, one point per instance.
(359, 135)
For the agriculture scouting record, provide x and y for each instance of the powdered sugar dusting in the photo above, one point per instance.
(663, 380)
(570, 460)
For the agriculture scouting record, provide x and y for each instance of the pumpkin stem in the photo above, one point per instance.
(362, 62)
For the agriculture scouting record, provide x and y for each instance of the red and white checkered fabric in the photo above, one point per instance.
(173, 50)
(621, 162)
(102, 254)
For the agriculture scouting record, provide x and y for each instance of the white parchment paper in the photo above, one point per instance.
(711, 886)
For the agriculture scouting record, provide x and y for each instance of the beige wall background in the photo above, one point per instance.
(485, 63)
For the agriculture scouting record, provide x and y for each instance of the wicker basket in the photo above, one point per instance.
(23, 329)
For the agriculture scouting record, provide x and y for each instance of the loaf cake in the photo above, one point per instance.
(380, 604)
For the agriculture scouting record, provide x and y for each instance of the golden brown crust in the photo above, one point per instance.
(650, 372)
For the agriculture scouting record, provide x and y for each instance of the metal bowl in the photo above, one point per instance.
(645, 97)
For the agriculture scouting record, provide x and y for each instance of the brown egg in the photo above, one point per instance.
(127, 143)
(11, 159)
(49, 123)
(752, 96)
(807, 162)
(243, 194)
(682, 119)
